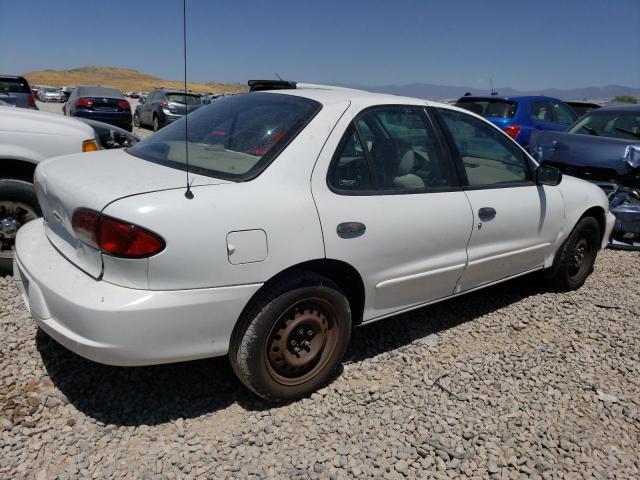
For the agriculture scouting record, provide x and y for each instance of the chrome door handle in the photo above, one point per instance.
(350, 229)
(486, 213)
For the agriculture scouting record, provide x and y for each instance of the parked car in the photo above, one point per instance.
(520, 116)
(603, 147)
(582, 108)
(104, 104)
(27, 138)
(304, 211)
(50, 94)
(16, 91)
(164, 106)
(66, 92)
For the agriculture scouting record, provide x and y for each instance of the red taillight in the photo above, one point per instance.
(123, 104)
(512, 130)
(115, 237)
(31, 101)
(84, 102)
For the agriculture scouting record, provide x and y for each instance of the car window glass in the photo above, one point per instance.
(404, 149)
(489, 157)
(563, 114)
(350, 170)
(542, 111)
(609, 124)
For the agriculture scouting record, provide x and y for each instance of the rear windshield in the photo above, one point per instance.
(99, 92)
(611, 124)
(489, 107)
(14, 85)
(184, 99)
(51, 90)
(234, 138)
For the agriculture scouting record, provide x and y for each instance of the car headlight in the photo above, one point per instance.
(632, 156)
(90, 146)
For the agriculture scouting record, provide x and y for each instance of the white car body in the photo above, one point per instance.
(50, 95)
(33, 136)
(234, 237)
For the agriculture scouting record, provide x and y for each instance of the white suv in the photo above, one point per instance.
(309, 210)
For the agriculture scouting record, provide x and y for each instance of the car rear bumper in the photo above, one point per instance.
(121, 120)
(118, 325)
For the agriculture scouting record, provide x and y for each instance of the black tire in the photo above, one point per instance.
(575, 258)
(136, 120)
(156, 123)
(20, 192)
(299, 297)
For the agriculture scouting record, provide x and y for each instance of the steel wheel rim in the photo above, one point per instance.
(302, 341)
(579, 255)
(12, 216)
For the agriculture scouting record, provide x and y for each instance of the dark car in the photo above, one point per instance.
(603, 147)
(164, 106)
(519, 116)
(111, 136)
(582, 108)
(16, 91)
(104, 104)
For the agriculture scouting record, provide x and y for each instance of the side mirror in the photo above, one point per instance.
(546, 175)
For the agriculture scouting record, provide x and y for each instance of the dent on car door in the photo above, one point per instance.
(516, 222)
(390, 205)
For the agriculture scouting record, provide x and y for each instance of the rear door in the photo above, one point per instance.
(515, 220)
(390, 205)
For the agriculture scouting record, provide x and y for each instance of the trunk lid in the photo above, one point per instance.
(94, 180)
(102, 104)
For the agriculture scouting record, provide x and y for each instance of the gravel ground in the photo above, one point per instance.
(55, 107)
(509, 382)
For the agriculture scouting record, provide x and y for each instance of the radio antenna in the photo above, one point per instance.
(188, 194)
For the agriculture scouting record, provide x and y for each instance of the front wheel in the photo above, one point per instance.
(18, 205)
(292, 337)
(136, 120)
(575, 258)
(156, 123)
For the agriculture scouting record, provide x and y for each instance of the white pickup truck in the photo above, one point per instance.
(28, 137)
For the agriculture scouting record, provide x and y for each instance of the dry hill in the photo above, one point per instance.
(123, 79)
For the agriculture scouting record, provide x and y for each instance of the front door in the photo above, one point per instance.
(390, 205)
(515, 220)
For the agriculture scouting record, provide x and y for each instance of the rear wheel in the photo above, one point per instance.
(156, 123)
(292, 337)
(575, 258)
(18, 205)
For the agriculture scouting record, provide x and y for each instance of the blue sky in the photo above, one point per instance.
(531, 44)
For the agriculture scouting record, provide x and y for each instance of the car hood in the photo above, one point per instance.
(586, 151)
(24, 121)
(95, 180)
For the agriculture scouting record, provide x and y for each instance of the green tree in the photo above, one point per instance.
(625, 99)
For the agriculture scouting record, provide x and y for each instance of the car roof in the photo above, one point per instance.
(509, 97)
(621, 108)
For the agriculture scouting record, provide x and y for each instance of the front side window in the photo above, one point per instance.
(489, 157)
(563, 115)
(235, 137)
(542, 111)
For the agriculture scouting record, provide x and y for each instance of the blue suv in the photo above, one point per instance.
(519, 116)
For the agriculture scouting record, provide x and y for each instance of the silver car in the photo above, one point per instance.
(51, 94)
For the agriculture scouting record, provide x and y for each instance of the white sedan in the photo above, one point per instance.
(309, 210)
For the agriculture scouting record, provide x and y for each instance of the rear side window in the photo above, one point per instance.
(183, 99)
(13, 85)
(391, 149)
(235, 137)
(489, 157)
(489, 107)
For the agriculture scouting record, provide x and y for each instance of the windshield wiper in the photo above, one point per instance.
(592, 131)
(624, 130)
